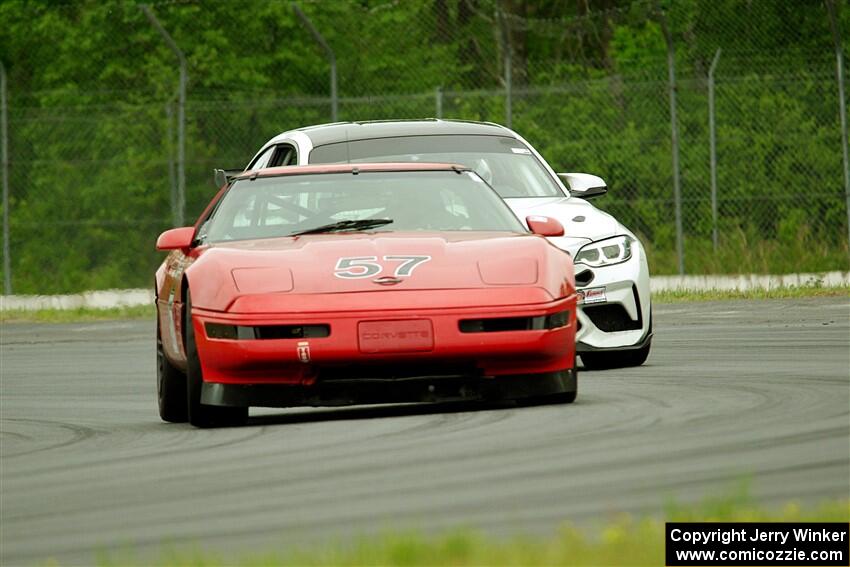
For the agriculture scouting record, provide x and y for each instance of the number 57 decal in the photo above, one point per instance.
(368, 266)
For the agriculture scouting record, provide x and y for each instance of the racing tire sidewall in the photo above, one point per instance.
(170, 387)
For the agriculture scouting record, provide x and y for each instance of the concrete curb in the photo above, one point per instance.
(748, 281)
(132, 297)
(104, 299)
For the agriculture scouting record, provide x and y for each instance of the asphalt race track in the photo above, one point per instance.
(733, 390)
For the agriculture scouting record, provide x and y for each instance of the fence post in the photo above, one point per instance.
(505, 36)
(330, 53)
(4, 144)
(172, 177)
(712, 136)
(509, 111)
(674, 138)
(438, 99)
(181, 115)
(842, 105)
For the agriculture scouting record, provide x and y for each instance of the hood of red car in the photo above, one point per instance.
(380, 261)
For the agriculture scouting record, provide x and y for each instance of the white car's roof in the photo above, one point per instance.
(349, 131)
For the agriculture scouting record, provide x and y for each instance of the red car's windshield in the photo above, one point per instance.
(268, 207)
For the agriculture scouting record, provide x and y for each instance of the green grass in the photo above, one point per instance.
(624, 540)
(76, 315)
(788, 292)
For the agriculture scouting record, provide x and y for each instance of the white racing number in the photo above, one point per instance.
(408, 264)
(357, 267)
(367, 266)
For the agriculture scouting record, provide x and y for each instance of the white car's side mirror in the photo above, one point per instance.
(222, 177)
(584, 185)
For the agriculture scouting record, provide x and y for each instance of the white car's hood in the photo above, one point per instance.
(582, 221)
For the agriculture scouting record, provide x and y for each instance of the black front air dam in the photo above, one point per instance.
(379, 391)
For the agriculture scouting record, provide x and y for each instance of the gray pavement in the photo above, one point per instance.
(732, 390)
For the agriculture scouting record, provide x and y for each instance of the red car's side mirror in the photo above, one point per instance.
(545, 226)
(176, 238)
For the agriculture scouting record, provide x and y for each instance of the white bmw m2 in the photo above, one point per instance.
(612, 275)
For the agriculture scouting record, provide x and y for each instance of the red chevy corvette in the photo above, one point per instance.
(348, 284)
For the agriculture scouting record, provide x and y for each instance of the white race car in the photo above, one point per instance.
(615, 317)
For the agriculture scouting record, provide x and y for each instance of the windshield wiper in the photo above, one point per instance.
(345, 225)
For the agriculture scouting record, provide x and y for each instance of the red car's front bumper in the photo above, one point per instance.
(482, 342)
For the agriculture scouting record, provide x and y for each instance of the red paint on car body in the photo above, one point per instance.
(290, 281)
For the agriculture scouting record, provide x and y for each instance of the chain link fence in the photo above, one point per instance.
(93, 131)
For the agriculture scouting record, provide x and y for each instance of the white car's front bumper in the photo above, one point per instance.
(623, 320)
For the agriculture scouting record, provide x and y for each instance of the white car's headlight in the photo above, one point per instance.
(605, 252)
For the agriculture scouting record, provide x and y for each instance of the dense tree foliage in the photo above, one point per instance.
(92, 87)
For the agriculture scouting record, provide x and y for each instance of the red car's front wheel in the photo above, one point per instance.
(170, 387)
(202, 415)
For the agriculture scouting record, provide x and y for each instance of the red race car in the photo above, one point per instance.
(368, 283)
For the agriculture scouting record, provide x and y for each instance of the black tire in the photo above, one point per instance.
(562, 398)
(202, 415)
(556, 398)
(547, 400)
(170, 387)
(565, 397)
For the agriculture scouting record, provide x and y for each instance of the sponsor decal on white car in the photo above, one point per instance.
(591, 295)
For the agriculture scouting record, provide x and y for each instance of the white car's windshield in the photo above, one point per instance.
(503, 162)
(268, 207)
